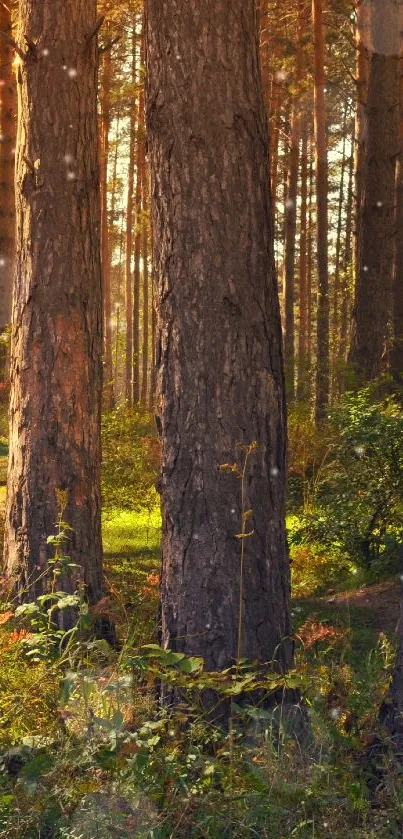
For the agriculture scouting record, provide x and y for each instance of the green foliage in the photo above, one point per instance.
(356, 494)
(130, 460)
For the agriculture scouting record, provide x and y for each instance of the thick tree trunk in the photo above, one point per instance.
(289, 252)
(220, 373)
(56, 366)
(129, 229)
(106, 263)
(8, 130)
(373, 293)
(322, 360)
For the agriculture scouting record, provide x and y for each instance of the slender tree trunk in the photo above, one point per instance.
(347, 271)
(303, 276)
(153, 376)
(322, 361)
(397, 346)
(361, 128)
(106, 263)
(137, 241)
(56, 354)
(336, 314)
(146, 337)
(8, 128)
(309, 258)
(373, 293)
(289, 254)
(129, 229)
(220, 376)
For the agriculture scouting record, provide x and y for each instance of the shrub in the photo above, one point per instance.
(356, 501)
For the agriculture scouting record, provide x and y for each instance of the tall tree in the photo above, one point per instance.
(397, 347)
(322, 362)
(140, 166)
(129, 226)
(289, 251)
(303, 266)
(106, 258)
(8, 123)
(373, 292)
(220, 369)
(56, 366)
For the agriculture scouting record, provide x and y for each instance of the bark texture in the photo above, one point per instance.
(56, 367)
(8, 127)
(220, 371)
(373, 292)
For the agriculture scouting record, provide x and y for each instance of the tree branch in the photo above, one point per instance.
(96, 28)
(9, 40)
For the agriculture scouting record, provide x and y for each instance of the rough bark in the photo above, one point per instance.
(56, 367)
(220, 374)
(373, 292)
(322, 360)
(8, 128)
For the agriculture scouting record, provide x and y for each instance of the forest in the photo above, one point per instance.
(201, 419)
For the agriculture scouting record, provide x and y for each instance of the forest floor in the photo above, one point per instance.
(131, 551)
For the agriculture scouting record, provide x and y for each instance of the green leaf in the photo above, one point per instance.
(26, 609)
(190, 665)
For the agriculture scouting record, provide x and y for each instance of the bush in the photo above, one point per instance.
(356, 501)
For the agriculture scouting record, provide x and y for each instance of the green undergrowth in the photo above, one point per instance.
(87, 750)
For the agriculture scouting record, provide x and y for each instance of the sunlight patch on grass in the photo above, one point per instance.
(136, 533)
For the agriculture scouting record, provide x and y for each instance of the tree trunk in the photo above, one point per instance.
(106, 266)
(129, 229)
(373, 293)
(338, 258)
(347, 271)
(137, 242)
(397, 346)
(361, 128)
(8, 128)
(322, 361)
(56, 361)
(220, 372)
(146, 337)
(289, 254)
(303, 276)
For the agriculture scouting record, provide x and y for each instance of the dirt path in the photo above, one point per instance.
(381, 601)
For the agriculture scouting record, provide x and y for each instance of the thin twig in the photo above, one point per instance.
(96, 28)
